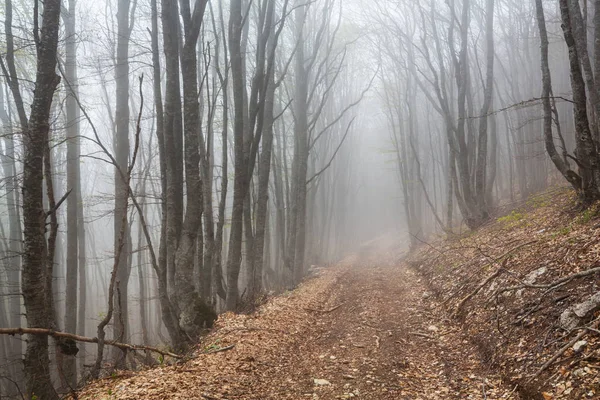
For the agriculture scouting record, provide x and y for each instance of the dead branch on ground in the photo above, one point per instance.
(326, 311)
(78, 338)
(503, 257)
(563, 349)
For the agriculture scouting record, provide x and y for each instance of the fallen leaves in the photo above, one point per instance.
(366, 348)
(517, 330)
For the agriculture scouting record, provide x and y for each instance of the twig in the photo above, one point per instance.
(14, 383)
(327, 310)
(562, 350)
(491, 277)
(474, 292)
(512, 392)
(220, 349)
(555, 284)
(424, 335)
(334, 154)
(78, 338)
(533, 101)
(57, 205)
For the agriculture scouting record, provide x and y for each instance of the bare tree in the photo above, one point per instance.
(36, 257)
(73, 183)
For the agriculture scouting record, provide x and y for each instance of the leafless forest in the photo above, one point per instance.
(165, 161)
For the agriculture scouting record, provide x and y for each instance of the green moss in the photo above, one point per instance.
(539, 201)
(511, 218)
(587, 215)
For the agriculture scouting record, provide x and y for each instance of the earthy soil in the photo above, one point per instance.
(364, 328)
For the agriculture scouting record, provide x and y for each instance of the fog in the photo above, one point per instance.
(202, 155)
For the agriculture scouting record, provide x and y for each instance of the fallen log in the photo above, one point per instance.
(77, 338)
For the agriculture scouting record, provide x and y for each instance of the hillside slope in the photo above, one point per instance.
(516, 286)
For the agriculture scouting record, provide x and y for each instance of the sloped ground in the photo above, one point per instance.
(365, 328)
(510, 282)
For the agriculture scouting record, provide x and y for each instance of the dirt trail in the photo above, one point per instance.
(365, 328)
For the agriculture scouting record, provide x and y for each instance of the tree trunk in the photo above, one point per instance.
(168, 313)
(301, 148)
(194, 314)
(234, 257)
(73, 201)
(264, 169)
(121, 144)
(586, 154)
(561, 164)
(35, 138)
(13, 270)
(481, 173)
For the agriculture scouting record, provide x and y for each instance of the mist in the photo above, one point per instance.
(164, 162)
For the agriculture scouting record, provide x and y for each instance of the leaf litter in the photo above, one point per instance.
(364, 328)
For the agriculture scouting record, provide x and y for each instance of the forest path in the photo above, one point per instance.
(365, 328)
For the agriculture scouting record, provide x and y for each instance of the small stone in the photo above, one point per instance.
(579, 346)
(321, 382)
(432, 328)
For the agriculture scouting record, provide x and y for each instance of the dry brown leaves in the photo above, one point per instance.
(517, 331)
(361, 329)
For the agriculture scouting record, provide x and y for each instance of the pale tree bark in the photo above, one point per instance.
(121, 148)
(141, 253)
(240, 184)
(73, 182)
(173, 137)
(481, 171)
(82, 267)
(217, 257)
(206, 249)
(13, 272)
(120, 250)
(298, 236)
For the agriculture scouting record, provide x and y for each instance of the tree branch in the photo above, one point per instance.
(334, 154)
(77, 338)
